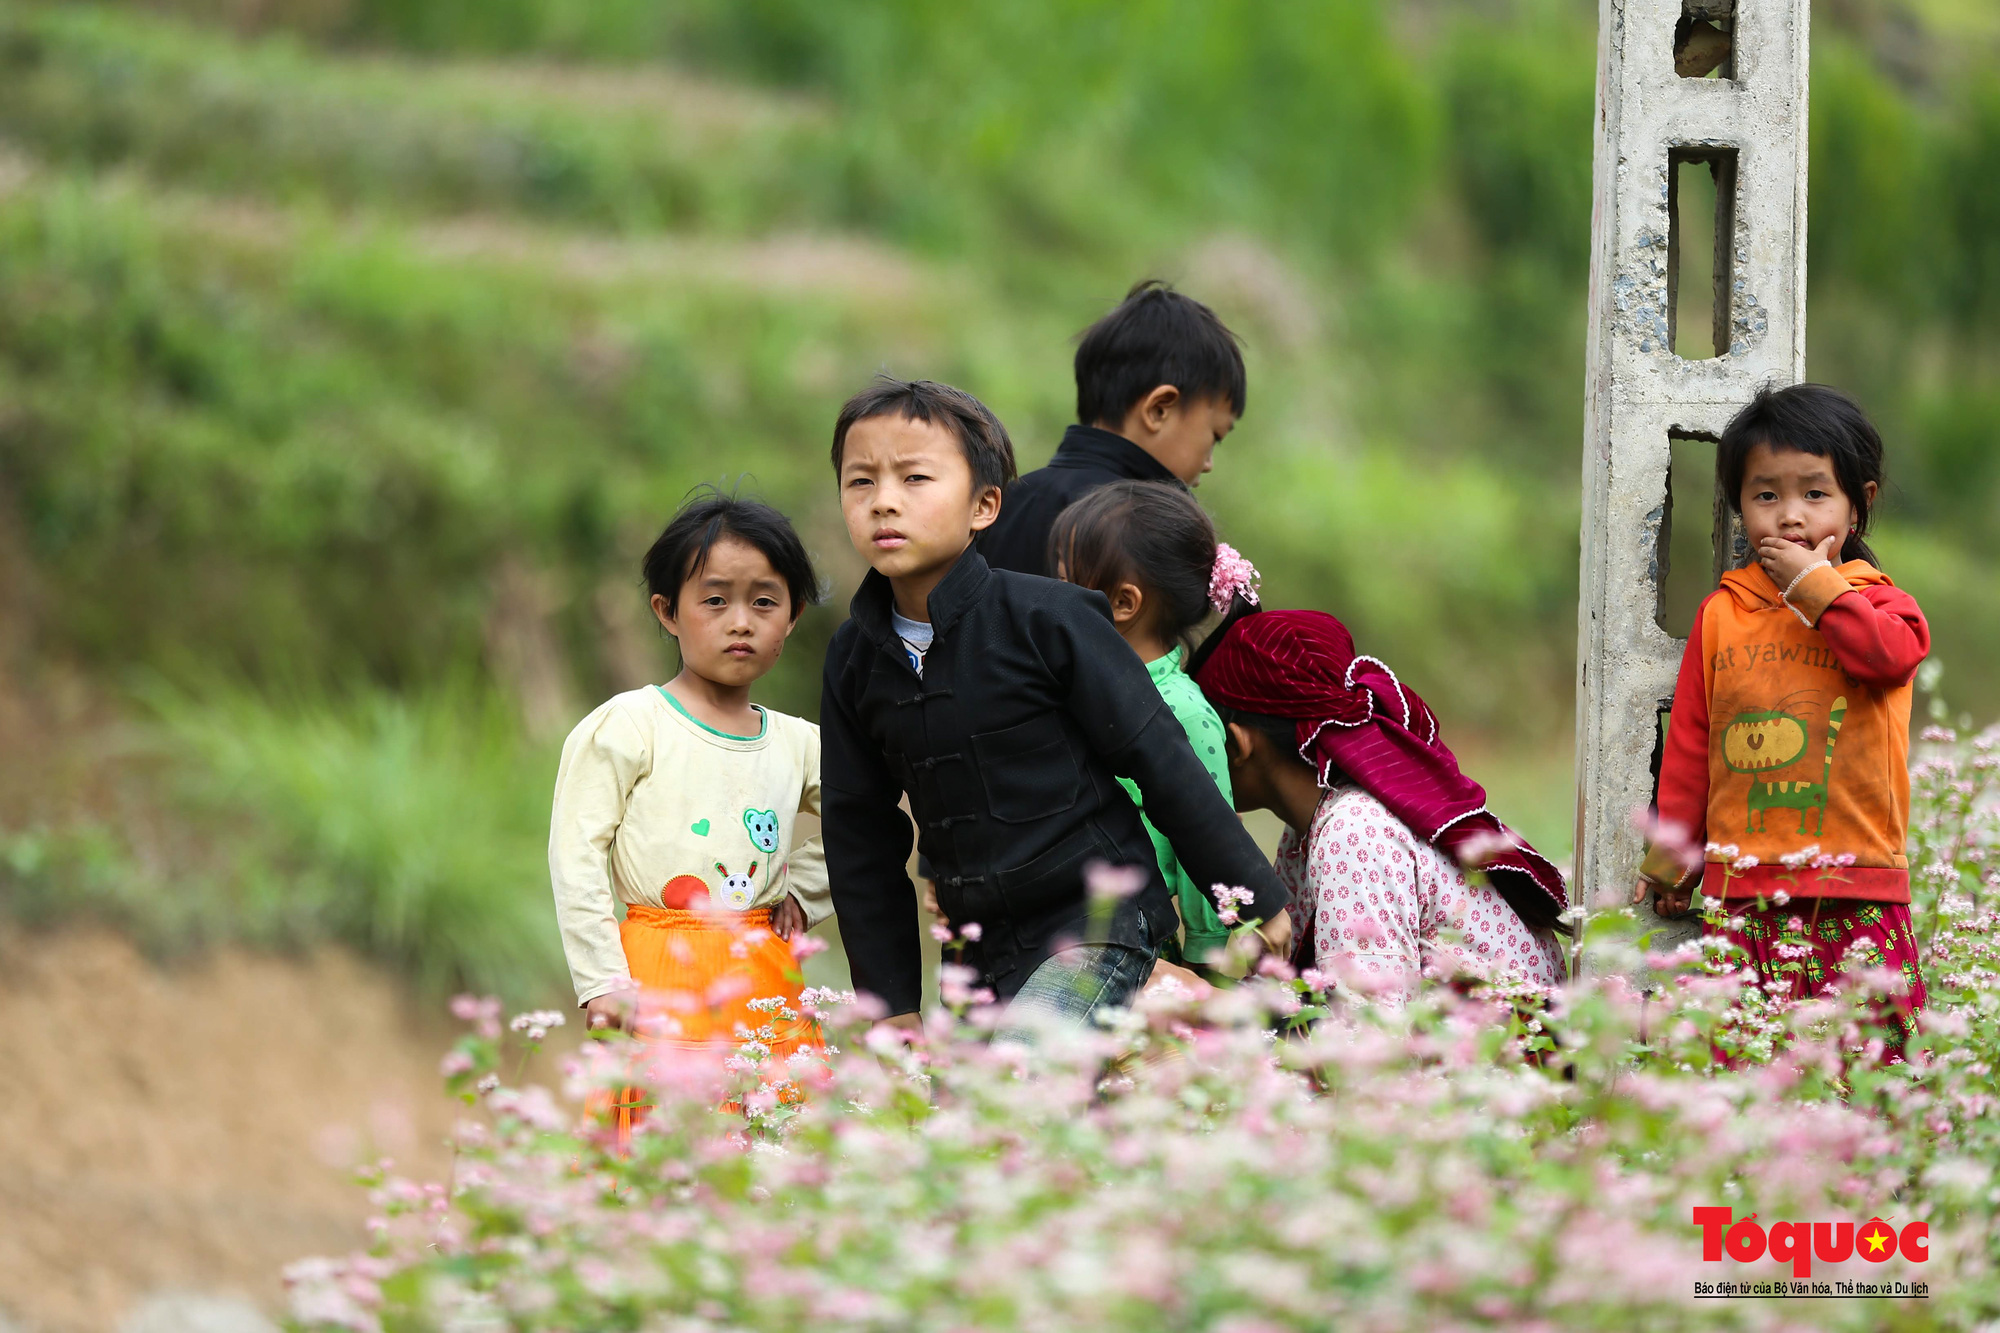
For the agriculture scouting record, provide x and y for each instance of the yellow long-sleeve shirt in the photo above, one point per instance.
(647, 796)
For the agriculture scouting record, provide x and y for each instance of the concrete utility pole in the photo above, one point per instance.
(1688, 92)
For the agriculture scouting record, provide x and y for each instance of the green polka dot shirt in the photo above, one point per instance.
(1202, 931)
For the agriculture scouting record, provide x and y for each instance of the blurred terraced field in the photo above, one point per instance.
(351, 352)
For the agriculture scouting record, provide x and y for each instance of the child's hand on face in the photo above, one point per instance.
(1784, 559)
(788, 918)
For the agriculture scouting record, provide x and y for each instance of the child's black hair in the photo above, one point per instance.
(1151, 533)
(1239, 607)
(1814, 419)
(1280, 731)
(987, 447)
(1156, 336)
(707, 516)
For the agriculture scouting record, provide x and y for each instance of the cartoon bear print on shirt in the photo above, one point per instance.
(762, 826)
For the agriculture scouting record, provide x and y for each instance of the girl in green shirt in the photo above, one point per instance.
(1151, 550)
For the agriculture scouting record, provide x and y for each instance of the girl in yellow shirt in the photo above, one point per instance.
(679, 801)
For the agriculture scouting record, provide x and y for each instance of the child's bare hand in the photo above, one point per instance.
(929, 896)
(1277, 935)
(1785, 560)
(788, 918)
(1672, 902)
(607, 1013)
(1165, 972)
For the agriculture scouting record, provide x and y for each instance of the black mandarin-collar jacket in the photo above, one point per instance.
(1088, 457)
(1029, 707)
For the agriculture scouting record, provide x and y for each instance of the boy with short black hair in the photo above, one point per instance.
(1006, 707)
(1159, 382)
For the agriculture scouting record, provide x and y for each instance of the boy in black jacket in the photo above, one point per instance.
(1159, 382)
(1006, 706)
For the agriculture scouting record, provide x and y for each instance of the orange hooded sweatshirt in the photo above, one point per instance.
(1791, 729)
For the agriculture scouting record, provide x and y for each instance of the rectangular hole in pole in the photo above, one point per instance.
(1705, 40)
(1701, 227)
(1689, 569)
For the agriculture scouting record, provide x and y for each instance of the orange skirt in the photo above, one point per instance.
(699, 973)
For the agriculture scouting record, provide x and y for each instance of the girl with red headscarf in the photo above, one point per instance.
(1381, 826)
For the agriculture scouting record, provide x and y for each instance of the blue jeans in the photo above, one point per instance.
(1070, 988)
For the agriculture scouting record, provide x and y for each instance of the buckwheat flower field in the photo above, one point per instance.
(1280, 1154)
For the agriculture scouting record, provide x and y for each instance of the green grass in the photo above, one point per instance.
(327, 432)
(412, 829)
(276, 120)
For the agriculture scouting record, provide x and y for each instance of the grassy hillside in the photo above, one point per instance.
(350, 353)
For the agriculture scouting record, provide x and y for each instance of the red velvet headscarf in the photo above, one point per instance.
(1354, 715)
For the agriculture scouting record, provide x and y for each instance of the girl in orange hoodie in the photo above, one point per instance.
(1787, 753)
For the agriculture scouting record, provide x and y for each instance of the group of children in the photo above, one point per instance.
(1020, 695)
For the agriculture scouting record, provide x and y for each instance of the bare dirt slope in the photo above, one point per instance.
(187, 1128)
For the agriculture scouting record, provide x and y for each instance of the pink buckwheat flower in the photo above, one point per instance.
(1113, 882)
(1799, 860)
(1227, 900)
(1483, 849)
(1669, 836)
(536, 1023)
(483, 1012)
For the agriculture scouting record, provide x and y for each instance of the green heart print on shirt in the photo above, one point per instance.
(699, 828)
